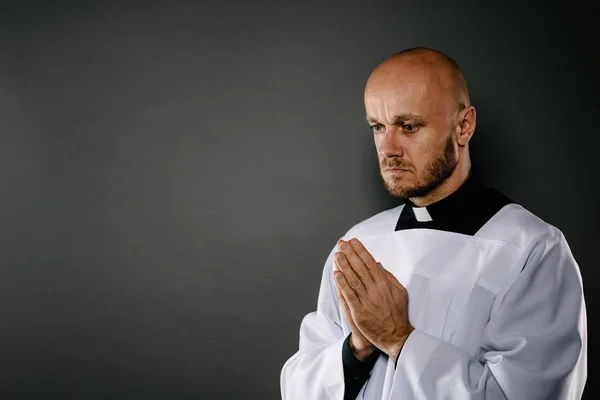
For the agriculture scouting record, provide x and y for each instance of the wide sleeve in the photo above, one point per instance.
(533, 347)
(315, 371)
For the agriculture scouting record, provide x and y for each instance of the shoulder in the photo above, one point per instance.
(515, 225)
(385, 221)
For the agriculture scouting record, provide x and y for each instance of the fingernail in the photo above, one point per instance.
(344, 246)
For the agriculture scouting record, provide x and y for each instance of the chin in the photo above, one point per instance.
(397, 190)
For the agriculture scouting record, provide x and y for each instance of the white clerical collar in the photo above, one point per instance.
(421, 214)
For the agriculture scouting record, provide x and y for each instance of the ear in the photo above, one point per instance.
(466, 125)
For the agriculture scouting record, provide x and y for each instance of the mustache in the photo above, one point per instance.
(394, 163)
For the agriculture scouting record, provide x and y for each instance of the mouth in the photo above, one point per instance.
(394, 170)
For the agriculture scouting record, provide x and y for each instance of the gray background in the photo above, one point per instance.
(173, 175)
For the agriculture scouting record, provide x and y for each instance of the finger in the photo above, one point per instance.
(347, 313)
(365, 256)
(344, 305)
(351, 277)
(356, 263)
(349, 294)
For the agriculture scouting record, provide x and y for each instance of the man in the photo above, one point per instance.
(459, 293)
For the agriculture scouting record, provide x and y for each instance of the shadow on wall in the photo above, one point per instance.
(495, 157)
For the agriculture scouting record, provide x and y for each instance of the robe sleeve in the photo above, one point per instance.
(315, 371)
(533, 347)
(318, 370)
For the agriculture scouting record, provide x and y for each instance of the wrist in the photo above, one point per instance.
(395, 348)
(361, 352)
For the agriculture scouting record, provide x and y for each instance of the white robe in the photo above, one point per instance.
(497, 315)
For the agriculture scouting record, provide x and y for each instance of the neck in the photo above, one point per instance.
(450, 185)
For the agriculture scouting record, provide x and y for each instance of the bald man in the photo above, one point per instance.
(459, 292)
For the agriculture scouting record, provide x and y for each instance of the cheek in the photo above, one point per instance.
(415, 150)
(420, 153)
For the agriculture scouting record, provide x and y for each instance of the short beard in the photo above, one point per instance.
(435, 175)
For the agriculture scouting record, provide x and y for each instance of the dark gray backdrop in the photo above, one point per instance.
(173, 175)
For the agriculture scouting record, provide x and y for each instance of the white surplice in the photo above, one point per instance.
(497, 315)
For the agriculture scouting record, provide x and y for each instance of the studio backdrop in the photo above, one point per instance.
(174, 174)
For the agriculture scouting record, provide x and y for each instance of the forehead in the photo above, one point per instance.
(410, 92)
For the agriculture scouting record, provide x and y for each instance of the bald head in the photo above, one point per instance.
(425, 66)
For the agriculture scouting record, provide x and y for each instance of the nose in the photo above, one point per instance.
(389, 144)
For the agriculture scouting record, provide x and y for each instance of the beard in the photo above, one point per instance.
(434, 175)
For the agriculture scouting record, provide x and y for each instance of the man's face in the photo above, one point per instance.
(412, 124)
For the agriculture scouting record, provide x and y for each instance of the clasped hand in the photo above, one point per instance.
(374, 303)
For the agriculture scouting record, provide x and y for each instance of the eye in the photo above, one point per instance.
(377, 128)
(410, 128)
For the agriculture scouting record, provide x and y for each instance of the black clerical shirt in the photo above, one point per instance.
(465, 211)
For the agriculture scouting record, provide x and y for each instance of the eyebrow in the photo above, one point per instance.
(398, 119)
